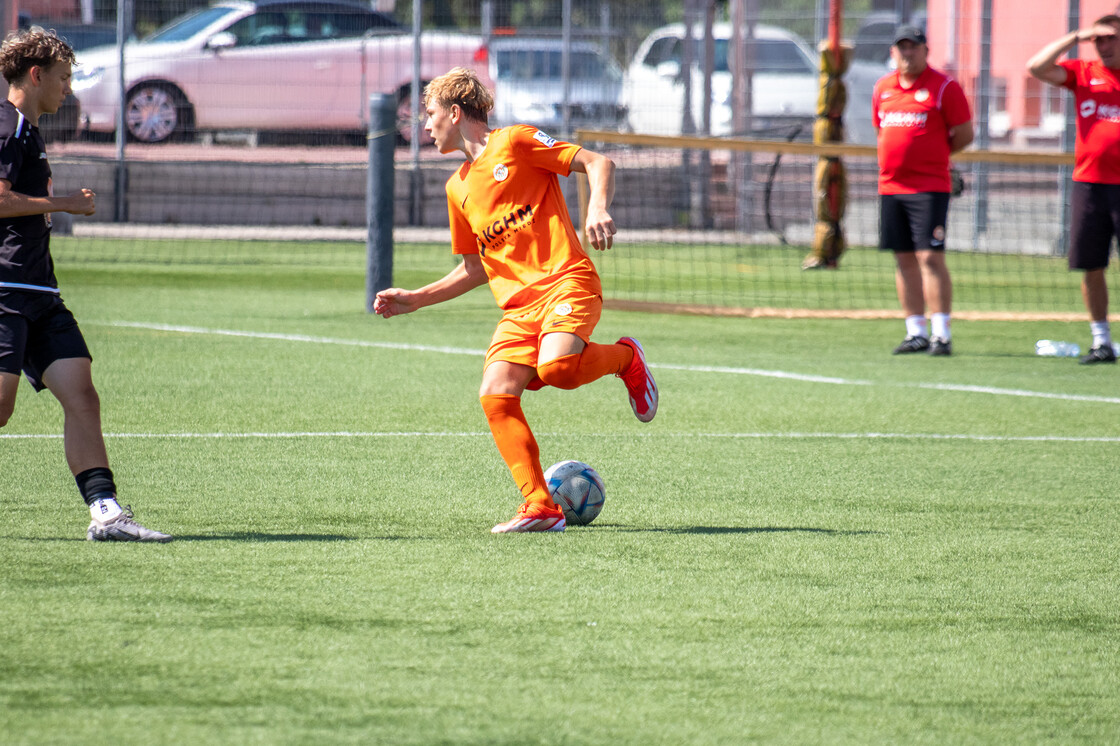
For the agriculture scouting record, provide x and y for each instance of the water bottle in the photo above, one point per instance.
(1050, 348)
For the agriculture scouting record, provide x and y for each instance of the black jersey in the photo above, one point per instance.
(25, 256)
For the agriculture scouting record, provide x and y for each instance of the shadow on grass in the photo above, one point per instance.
(247, 536)
(259, 536)
(735, 530)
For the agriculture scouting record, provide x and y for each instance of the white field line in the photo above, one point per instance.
(486, 434)
(292, 338)
(991, 390)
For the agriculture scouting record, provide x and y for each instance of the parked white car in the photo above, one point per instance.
(280, 65)
(785, 83)
(529, 85)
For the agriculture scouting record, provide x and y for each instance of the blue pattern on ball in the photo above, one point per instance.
(578, 489)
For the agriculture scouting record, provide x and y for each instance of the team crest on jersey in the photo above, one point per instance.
(501, 173)
(564, 309)
(921, 95)
(544, 139)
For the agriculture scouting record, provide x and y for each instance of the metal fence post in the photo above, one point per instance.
(379, 195)
(1069, 132)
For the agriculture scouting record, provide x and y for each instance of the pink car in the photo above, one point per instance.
(264, 65)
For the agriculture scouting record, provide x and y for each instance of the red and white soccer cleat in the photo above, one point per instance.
(532, 517)
(639, 382)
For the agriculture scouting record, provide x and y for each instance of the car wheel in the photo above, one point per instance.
(404, 119)
(155, 113)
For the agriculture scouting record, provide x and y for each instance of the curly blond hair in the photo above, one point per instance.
(33, 47)
(461, 86)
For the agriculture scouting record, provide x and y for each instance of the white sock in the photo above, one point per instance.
(940, 324)
(105, 509)
(1102, 334)
(916, 326)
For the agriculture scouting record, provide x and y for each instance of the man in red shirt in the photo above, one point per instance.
(1096, 172)
(921, 117)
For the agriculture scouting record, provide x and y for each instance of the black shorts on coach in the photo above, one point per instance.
(37, 329)
(908, 222)
(1094, 220)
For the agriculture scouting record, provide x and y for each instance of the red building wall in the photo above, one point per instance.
(1019, 29)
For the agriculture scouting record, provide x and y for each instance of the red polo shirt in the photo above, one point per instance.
(913, 125)
(1096, 89)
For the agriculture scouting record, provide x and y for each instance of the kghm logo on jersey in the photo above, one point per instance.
(499, 231)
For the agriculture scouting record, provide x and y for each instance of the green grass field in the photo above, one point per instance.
(814, 542)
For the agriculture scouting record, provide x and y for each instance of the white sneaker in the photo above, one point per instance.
(123, 528)
(532, 518)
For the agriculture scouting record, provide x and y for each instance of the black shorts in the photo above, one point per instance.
(1094, 220)
(35, 330)
(908, 222)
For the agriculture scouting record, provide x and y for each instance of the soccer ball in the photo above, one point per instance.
(577, 489)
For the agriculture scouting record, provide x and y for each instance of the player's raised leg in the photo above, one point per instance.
(625, 359)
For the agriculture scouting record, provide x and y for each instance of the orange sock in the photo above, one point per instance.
(596, 361)
(517, 445)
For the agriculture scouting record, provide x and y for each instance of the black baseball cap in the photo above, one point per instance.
(910, 33)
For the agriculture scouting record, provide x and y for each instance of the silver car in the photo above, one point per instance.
(529, 85)
(281, 65)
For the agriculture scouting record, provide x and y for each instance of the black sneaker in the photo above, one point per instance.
(912, 344)
(1099, 354)
(939, 346)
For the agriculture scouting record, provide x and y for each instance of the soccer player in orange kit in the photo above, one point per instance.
(510, 224)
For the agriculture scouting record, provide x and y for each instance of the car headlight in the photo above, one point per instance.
(84, 79)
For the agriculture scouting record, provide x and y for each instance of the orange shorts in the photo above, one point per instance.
(565, 308)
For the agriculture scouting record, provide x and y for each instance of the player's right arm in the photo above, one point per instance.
(15, 205)
(466, 276)
(1044, 65)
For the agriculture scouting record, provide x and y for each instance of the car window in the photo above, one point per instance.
(665, 49)
(547, 64)
(343, 24)
(873, 42)
(266, 27)
(780, 56)
(292, 26)
(188, 25)
(771, 55)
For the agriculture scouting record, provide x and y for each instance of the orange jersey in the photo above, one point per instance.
(507, 206)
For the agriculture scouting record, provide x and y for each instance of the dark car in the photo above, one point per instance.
(876, 35)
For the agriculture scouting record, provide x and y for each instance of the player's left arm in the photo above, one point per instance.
(958, 117)
(600, 177)
(961, 136)
(15, 204)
